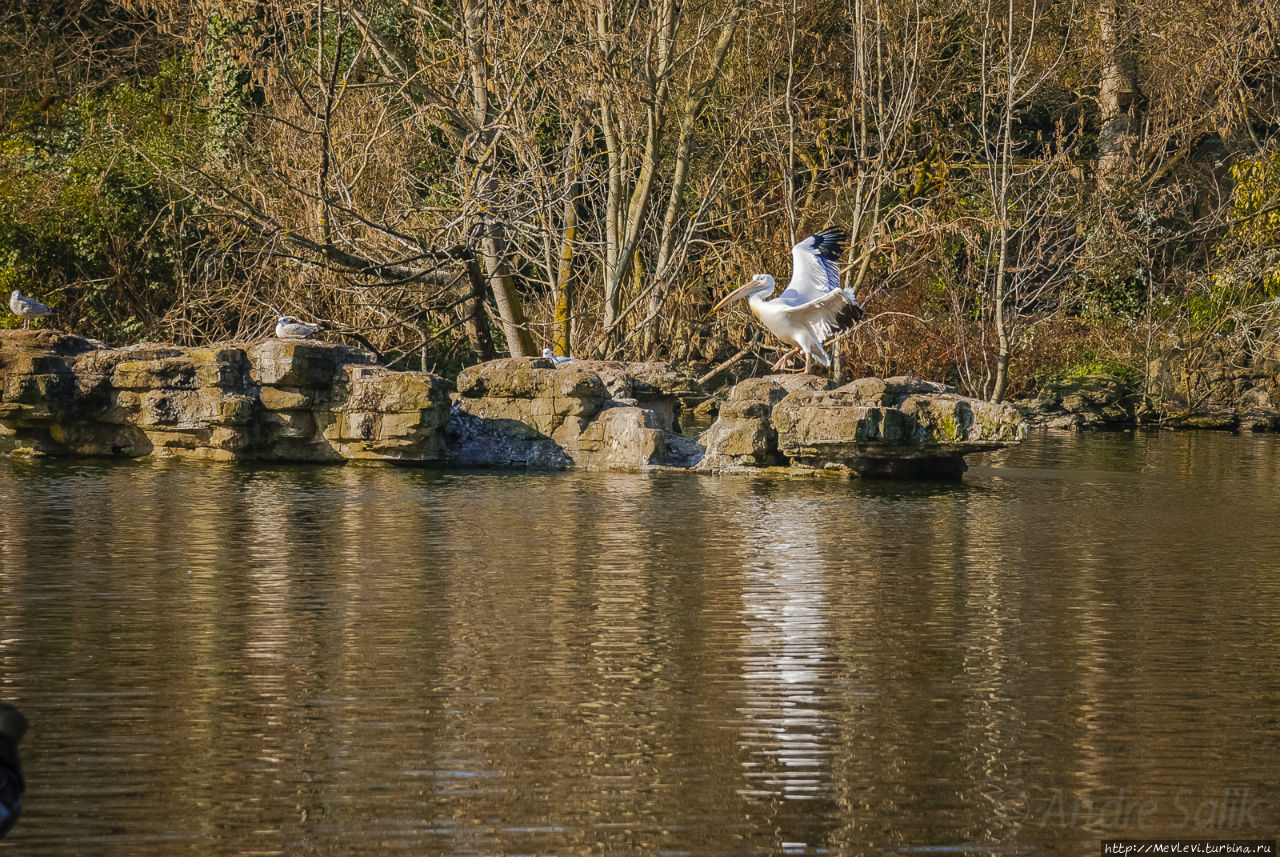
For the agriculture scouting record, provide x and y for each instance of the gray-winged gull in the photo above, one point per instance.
(27, 308)
(288, 327)
(555, 358)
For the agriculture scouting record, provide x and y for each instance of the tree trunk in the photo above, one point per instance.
(505, 296)
(1002, 211)
(475, 322)
(1118, 96)
(563, 329)
(612, 216)
(493, 241)
(562, 332)
(625, 227)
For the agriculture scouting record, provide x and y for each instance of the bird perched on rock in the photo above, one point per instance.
(12, 727)
(288, 327)
(555, 358)
(814, 307)
(26, 308)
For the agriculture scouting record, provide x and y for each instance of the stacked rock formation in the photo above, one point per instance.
(301, 400)
(278, 400)
(743, 436)
(894, 427)
(526, 413)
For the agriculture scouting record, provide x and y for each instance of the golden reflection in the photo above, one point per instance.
(334, 661)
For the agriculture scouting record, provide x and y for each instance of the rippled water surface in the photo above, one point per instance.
(1081, 640)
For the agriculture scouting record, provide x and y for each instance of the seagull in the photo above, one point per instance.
(26, 308)
(554, 358)
(814, 307)
(288, 327)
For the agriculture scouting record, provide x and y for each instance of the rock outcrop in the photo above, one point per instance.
(1226, 381)
(1219, 384)
(1090, 401)
(1221, 398)
(743, 435)
(278, 400)
(894, 427)
(531, 413)
(1209, 378)
(302, 400)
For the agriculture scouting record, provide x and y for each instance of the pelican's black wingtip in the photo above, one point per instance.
(830, 243)
(849, 315)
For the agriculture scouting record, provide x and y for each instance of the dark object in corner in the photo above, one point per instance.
(12, 727)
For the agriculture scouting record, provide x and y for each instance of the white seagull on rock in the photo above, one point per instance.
(26, 308)
(555, 358)
(814, 307)
(288, 327)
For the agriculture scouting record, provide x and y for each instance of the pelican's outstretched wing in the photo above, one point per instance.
(814, 266)
(828, 315)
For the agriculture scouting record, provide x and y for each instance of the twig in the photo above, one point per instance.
(749, 349)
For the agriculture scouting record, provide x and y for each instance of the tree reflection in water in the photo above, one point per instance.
(339, 661)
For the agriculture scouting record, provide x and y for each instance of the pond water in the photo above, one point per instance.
(1079, 641)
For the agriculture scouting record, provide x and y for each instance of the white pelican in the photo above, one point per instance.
(288, 327)
(554, 358)
(26, 308)
(814, 307)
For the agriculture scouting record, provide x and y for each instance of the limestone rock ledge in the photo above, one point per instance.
(743, 435)
(301, 400)
(276, 400)
(893, 427)
(532, 413)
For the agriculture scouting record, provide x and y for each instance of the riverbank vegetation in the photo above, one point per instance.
(1030, 187)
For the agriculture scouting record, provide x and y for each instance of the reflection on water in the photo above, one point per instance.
(1078, 641)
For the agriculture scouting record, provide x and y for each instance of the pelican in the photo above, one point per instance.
(288, 327)
(554, 358)
(26, 308)
(814, 307)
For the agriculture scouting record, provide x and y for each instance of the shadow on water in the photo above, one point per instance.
(223, 660)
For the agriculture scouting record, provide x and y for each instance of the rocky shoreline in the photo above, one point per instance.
(1108, 402)
(313, 401)
(309, 401)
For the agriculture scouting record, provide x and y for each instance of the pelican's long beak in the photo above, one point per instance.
(739, 292)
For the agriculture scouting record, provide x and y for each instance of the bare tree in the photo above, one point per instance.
(1029, 242)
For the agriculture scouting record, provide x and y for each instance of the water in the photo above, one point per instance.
(1078, 642)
